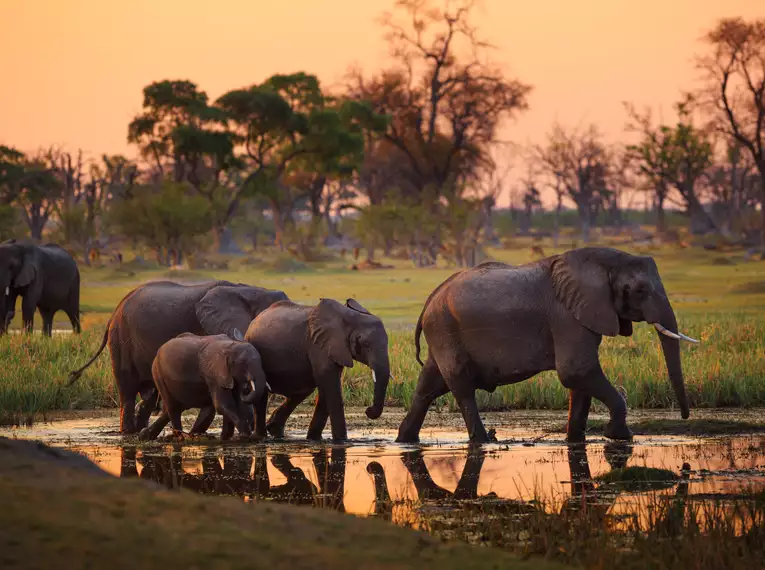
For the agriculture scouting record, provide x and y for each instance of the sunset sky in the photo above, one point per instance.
(72, 71)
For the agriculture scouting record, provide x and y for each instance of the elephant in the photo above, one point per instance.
(496, 324)
(156, 312)
(304, 348)
(46, 278)
(214, 373)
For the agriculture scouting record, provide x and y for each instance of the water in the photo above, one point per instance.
(373, 476)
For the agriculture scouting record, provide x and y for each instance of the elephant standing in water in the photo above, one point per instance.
(45, 277)
(213, 373)
(496, 324)
(304, 348)
(154, 313)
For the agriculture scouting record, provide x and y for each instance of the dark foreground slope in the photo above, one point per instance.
(59, 510)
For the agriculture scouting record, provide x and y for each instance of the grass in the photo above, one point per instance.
(722, 305)
(59, 511)
(661, 531)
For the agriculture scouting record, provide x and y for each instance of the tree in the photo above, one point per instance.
(445, 108)
(733, 89)
(170, 218)
(577, 160)
(673, 157)
(182, 136)
(285, 128)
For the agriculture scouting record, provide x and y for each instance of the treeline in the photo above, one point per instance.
(405, 159)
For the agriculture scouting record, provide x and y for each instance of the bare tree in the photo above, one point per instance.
(577, 160)
(734, 88)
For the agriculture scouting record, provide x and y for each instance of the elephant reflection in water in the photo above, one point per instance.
(584, 492)
(247, 476)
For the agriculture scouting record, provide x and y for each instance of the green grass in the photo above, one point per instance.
(59, 513)
(722, 305)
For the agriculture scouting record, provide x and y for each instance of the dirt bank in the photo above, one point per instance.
(59, 510)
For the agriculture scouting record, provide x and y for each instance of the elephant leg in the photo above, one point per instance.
(153, 431)
(319, 419)
(28, 308)
(260, 408)
(203, 421)
(127, 408)
(331, 391)
(578, 411)
(226, 407)
(174, 412)
(430, 386)
(47, 321)
(278, 419)
(227, 431)
(469, 408)
(601, 389)
(144, 408)
(74, 319)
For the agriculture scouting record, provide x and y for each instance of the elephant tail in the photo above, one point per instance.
(418, 328)
(73, 376)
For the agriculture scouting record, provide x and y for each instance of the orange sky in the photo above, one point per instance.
(72, 71)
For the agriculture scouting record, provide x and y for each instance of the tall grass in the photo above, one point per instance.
(727, 369)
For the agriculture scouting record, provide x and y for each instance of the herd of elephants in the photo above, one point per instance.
(225, 347)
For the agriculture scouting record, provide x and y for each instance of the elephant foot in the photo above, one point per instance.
(407, 438)
(314, 437)
(179, 436)
(145, 435)
(492, 435)
(617, 431)
(276, 430)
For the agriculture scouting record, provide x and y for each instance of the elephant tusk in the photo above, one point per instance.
(676, 336)
(252, 385)
(392, 378)
(374, 378)
(269, 387)
(7, 290)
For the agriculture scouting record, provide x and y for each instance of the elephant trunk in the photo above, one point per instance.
(671, 348)
(381, 377)
(258, 384)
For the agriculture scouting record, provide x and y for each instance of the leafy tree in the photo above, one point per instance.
(673, 157)
(733, 89)
(288, 134)
(170, 218)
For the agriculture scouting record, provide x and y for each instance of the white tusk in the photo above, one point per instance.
(676, 336)
(269, 387)
(374, 378)
(392, 378)
(7, 290)
(252, 385)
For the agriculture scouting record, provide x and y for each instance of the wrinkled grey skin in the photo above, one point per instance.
(304, 348)
(496, 324)
(45, 277)
(154, 313)
(214, 373)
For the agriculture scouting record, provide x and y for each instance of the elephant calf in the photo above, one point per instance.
(213, 373)
(304, 348)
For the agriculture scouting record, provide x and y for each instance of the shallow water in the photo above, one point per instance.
(372, 475)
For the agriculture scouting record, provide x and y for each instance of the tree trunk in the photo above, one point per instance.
(556, 222)
(224, 241)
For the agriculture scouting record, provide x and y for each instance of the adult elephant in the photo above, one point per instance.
(45, 277)
(496, 324)
(303, 348)
(156, 312)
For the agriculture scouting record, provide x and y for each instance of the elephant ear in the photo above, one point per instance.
(328, 330)
(222, 310)
(27, 273)
(214, 364)
(582, 284)
(356, 306)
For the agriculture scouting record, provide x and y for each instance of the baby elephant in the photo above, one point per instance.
(214, 373)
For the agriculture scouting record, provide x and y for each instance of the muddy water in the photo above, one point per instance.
(374, 476)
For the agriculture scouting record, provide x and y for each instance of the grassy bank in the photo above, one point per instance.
(58, 511)
(722, 304)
